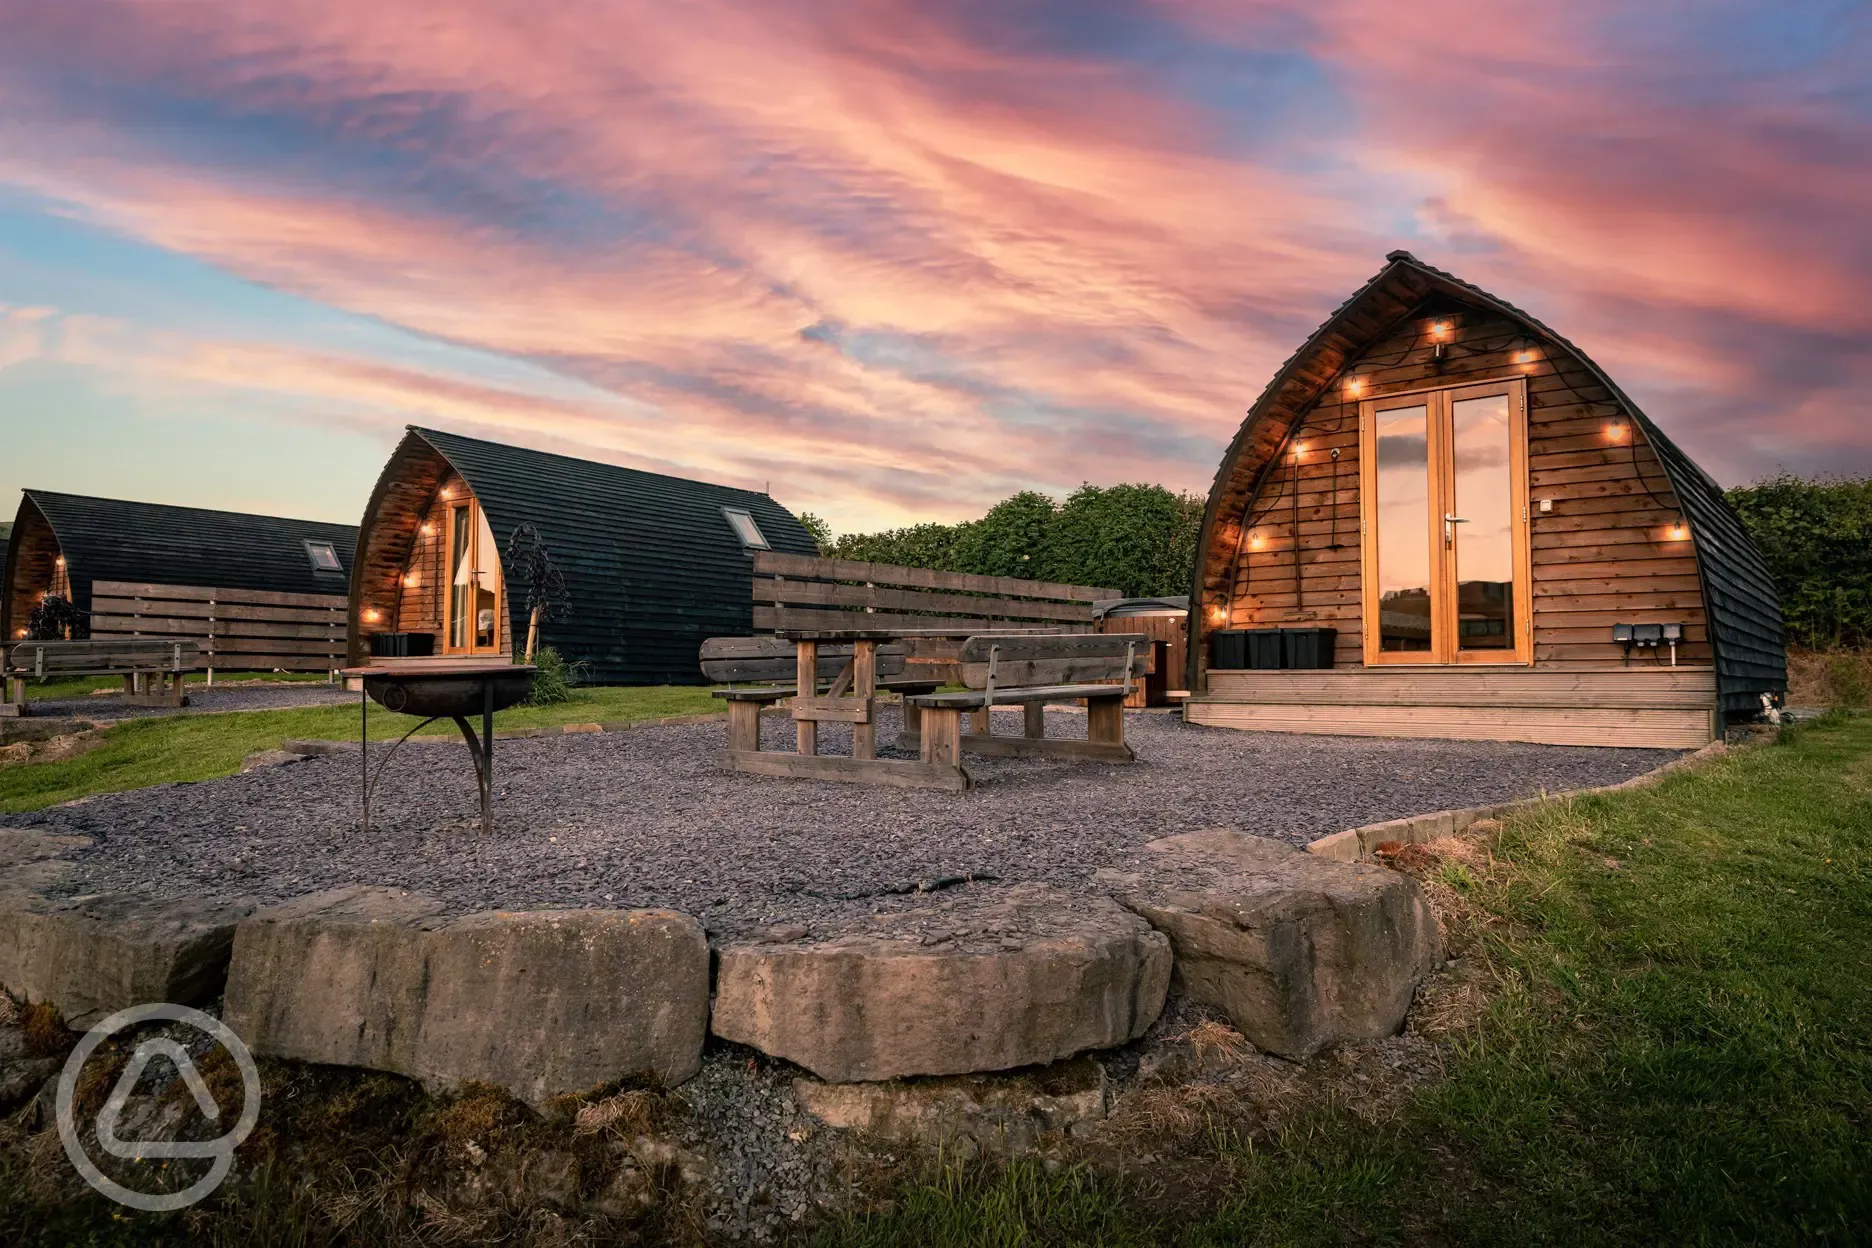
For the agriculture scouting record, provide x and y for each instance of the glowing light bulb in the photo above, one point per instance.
(1440, 329)
(1524, 357)
(372, 615)
(448, 491)
(1354, 385)
(409, 580)
(1299, 449)
(1679, 531)
(1615, 430)
(1218, 614)
(428, 530)
(1255, 540)
(60, 561)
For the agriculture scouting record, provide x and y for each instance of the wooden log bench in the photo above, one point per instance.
(1032, 671)
(153, 669)
(770, 667)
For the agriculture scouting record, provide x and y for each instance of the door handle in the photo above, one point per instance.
(1449, 528)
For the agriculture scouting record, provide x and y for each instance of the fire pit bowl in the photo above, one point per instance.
(445, 693)
(441, 690)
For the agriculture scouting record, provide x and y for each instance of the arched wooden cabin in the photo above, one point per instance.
(256, 592)
(652, 564)
(1504, 546)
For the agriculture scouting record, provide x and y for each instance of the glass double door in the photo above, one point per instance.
(476, 603)
(1445, 526)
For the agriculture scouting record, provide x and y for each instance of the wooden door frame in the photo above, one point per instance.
(1446, 649)
(473, 506)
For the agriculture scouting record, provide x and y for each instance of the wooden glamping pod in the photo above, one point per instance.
(1501, 544)
(257, 593)
(652, 565)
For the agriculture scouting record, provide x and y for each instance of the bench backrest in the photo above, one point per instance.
(102, 657)
(807, 592)
(1053, 658)
(762, 660)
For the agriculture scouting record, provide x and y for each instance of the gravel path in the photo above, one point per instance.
(650, 818)
(239, 696)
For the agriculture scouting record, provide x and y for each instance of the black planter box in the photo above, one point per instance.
(1228, 650)
(1307, 647)
(402, 645)
(1264, 649)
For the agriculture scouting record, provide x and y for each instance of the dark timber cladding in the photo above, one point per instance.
(1636, 532)
(652, 565)
(109, 539)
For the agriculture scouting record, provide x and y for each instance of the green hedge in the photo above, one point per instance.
(1817, 538)
(1138, 539)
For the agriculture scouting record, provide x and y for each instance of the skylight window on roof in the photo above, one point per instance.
(745, 528)
(324, 557)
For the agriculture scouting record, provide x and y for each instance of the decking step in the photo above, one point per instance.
(1653, 727)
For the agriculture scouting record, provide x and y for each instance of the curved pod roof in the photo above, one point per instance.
(652, 566)
(1739, 595)
(111, 539)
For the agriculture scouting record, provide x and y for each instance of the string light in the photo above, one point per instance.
(448, 491)
(428, 530)
(1615, 429)
(1524, 357)
(409, 580)
(372, 615)
(1354, 385)
(1218, 614)
(60, 561)
(1255, 540)
(1440, 329)
(1679, 531)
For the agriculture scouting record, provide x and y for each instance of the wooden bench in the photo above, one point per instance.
(1031, 671)
(146, 664)
(769, 665)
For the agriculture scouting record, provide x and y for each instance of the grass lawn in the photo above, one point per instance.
(166, 749)
(1678, 1050)
(85, 686)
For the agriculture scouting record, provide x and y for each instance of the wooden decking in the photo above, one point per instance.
(1638, 706)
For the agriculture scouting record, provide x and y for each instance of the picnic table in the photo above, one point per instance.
(1029, 667)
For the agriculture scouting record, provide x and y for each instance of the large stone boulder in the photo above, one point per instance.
(542, 1003)
(94, 956)
(1029, 979)
(1299, 951)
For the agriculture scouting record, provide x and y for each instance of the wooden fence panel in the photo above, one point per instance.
(236, 629)
(800, 591)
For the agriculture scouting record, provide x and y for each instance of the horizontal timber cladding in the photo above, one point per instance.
(236, 630)
(651, 565)
(154, 545)
(1281, 541)
(793, 591)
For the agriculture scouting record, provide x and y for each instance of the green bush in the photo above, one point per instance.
(554, 680)
(1817, 538)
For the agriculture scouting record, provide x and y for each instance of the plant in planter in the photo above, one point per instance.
(530, 564)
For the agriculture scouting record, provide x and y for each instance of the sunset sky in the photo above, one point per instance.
(894, 260)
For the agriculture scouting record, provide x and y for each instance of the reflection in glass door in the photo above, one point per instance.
(474, 598)
(1401, 505)
(1445, 526)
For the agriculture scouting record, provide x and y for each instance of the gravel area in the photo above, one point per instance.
(238, 696)
(650, 817)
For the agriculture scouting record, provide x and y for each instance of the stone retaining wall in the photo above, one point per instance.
(1301, 950)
